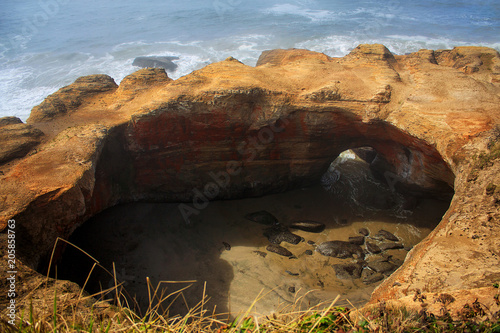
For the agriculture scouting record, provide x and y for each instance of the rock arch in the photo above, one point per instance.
(270, 128)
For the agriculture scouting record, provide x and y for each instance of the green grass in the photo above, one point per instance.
(65, 315)
(333, 319)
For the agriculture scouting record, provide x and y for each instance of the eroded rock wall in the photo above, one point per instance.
(272, 128)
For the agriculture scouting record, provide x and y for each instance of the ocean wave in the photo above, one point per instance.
(339, 46)
(314, 15)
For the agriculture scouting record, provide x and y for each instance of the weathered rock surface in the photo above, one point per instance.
(69, 98)
(358, 240)
(364, 232)
(381, 266)
(373, 248)
(262, 217)
(340, 249)
(230, 130)
(279, 250)
(368, 276)
(279, 234)
(156, 62)
(348, 271)
(17, 139)
(384, 234)
(391, 246)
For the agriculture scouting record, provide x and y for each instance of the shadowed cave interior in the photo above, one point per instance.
(225, 254)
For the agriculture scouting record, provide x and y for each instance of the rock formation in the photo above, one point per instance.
(230, 130)
(156, 62)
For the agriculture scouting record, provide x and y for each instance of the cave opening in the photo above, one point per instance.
(223, 254)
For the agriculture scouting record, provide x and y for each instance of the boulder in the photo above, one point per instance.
(17, 139)
(262, 217)
(279, 250)
(373, 248)
(340, 249)
(156, 62)
(358, 240)
(384, 234)
(279, 234)
(348, 271)
(369, 276)
(364, 232)
(381, 266)
(390, 246)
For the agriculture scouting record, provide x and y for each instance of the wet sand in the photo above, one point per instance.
(152, 240)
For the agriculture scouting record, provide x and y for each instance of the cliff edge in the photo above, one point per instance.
(432, 116)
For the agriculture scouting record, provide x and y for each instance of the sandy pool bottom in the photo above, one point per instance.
(152, 240)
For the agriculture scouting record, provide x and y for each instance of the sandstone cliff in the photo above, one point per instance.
(432, 116)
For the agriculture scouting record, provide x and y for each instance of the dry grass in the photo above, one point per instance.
(94, 313)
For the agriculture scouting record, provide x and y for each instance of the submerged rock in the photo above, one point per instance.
(348, 271)
(387, 235)
(262, 217)
(340, 249)
(310, 226)
(169, 138)
(358, 240)
(391, 246)
(381, 266)
(364, 232)
(279, 250)
(158, 62)
(373, 248)
(279, 234)
(260, 253)
(368, 276)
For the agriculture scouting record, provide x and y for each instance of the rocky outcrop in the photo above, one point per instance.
(231, 130)
(68, 99)
(17, 138)
(156, 62)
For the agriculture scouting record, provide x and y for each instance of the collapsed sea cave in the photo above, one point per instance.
(157, 174)
(213, 248)
(171, 187)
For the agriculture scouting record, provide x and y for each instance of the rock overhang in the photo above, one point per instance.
(282, 123)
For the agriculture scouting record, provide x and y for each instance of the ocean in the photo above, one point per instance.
(47, 44)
